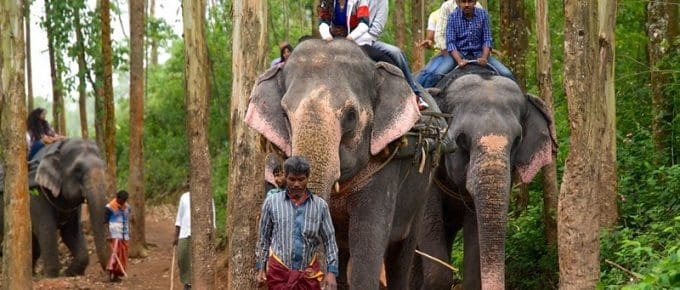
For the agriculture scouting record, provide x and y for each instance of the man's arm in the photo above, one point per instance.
(451, 41)
(265, 235)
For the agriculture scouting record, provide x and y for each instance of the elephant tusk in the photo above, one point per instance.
(337, 187)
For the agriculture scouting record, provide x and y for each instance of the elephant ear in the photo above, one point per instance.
(265, 113)
(49, 174)
(539, 143)
(396, 110)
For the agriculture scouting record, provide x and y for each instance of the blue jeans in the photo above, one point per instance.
(35, 147)
(435, 70)
(400, 60)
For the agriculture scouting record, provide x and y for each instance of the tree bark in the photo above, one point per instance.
(154, 41)
(578, 211)
(98, 86)
(544, 74)
(245, 168)
(662, 107)
(605, 75)
(29, 68)
(418, 33)
(197, 88)
(315, 18)
(136, 177)
(399, 21)
(82, 70)
(107, 91)
(16, 258)
(59, 122)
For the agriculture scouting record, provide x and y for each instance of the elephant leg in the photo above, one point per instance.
(398, 259)
(472, 277)
(433, 241)
(343, 257)
(36, 251)
(368, 234)
(72, 235)
(44, 220)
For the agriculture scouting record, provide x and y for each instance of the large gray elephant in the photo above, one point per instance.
(333, 105)
(499, 132)
(69, 174)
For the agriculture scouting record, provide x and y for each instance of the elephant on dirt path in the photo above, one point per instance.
(499, 132)
(331, 104)
(70, 173)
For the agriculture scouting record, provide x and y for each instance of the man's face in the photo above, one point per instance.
(280, 179)
(296, 183)
(120, 201)
(468, 6)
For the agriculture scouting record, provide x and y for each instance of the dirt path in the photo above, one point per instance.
(152, 272)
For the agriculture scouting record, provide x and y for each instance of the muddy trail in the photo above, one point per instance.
(151, 272)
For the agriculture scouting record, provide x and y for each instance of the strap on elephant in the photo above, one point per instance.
(48, 197)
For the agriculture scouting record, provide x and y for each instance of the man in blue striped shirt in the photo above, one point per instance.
(468, 37)
(293, 225)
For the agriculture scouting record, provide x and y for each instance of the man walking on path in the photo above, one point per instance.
(117, 223)
(183, 238)
(293, 225)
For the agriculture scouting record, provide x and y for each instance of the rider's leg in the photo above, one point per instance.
(401, 62)
(502, 69)
(425, 76)
(446, 65)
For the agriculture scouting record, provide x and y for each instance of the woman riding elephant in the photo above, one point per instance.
(331, 104)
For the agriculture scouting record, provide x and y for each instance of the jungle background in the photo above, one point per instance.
(641, 251)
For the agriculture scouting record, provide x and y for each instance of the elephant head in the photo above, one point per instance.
(333, 105)
(499, 132)
(73, 173)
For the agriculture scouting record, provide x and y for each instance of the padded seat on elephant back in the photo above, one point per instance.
(33, 164)
(471, 68)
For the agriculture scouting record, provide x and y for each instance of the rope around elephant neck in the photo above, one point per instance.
(352, 183)
(58, 208)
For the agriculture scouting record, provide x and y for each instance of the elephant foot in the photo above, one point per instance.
(74, 271)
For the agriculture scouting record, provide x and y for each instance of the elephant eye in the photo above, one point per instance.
(349, 120)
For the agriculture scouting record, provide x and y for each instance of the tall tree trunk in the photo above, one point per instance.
(245, 168)
(98, 86)
(578, 211)
(82, 93)
(662, 107)
(59, 122)
(418, 22)
(315, 18)
(399, 21)
(544, 74)
(107, 91)
(16, 258)
(29, 68)
(197, 88)
(605, 75)
(136, 178)
(515, 42)
(154, 41)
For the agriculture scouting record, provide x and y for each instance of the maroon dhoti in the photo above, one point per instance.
(119, 256)
(280, 277)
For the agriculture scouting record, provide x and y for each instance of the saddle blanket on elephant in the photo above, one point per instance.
(280, 277)
(472, 68)
(119, 256)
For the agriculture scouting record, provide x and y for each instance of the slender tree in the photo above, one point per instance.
(16, 258)
(249, 43)
(136, 177)
(605, 87)
(399, 20)
(315, 18)
(544, 75)
(197, 88)
(662, 106)
(82, 68)
(154, 40)
(578, 211)
(98, 82)
(29, 69)
(58, 111)
(418, 22)
(107, 93)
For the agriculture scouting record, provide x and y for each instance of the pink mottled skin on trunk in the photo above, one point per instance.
(316, 135)
(541, 158)
(405, 119)
(256, 120)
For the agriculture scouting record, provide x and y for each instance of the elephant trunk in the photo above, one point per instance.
(316, 136)
(95, 193)
(489, 182)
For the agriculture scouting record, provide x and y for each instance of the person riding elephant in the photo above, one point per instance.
(499, 132)
(336, 107)
(70, 173)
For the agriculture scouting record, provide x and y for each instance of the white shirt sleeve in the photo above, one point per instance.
(431, 21)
